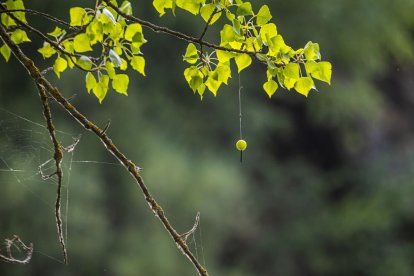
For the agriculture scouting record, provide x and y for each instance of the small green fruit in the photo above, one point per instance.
(241, 145)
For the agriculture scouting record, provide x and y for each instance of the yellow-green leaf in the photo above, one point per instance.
(85, 63)
(291, 71)
(245, 9)
(131, 32)
(263, 16)
(17, 5)
(47, 51)
(124, 65)
(7, 21)
(224, 56)
(304, 85)
(81, 43)
(120, 83)
(5, 52)
(115, 58)
(207, 11)
(138, 64)
(101, 88)
(19, 36)
(126, 7)
(267, 32)
(242, 61)
(213, 85)
(194, 77)
(110, 69)
(161, 5)
(270, 87)
(321, 70)
(191, 54)
(223, 72)
(191, 6)
(56, 32)
(77, 16)
(311, 51)
(90, 81)
(60, 65)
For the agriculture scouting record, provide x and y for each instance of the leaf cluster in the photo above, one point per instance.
(104, 42)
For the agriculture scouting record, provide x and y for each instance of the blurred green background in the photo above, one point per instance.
(325, 188)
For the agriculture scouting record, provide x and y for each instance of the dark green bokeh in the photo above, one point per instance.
(325, 187)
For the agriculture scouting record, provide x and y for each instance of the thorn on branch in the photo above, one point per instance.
(193, 229)
(108, 124)
(21, 246)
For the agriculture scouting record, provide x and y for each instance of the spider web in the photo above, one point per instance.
(26, 152)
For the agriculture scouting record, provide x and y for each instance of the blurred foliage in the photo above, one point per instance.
(325, 187)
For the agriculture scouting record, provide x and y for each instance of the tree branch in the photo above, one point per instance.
(42, 14)
(58, 156)
(110, 146)
(176, 34)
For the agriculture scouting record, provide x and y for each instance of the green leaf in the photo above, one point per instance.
(90, 81)
(126, 7)
(85, 63)
(78, 16)
(321, 70)
(267, 32)
(81, 43)
(161, 5)
(304, 85)
(227, 34)
(223, 72)
(311, 51)
(115, 58)
(194, 77)
(47, 51)
(56, 32)
(17, 5)
(224, 56)
(245, 9)
(270, 87)
(7, 21)
(291, 71)
(207, 10)
(192, 6)
(291, 75)
(60, 65)
(107, 13)
(212, 85)
(101, 88)
(138, 64)
(242, 61)
(263, 16)
(95, 31)
(236, 26)
(19, 36)
(133, 33)
(110, 69)
(5, 52)
(191, 54)
(120, 83)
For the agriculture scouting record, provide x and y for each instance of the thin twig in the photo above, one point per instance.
(133, 169)
(45, 15)
(58, 156)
